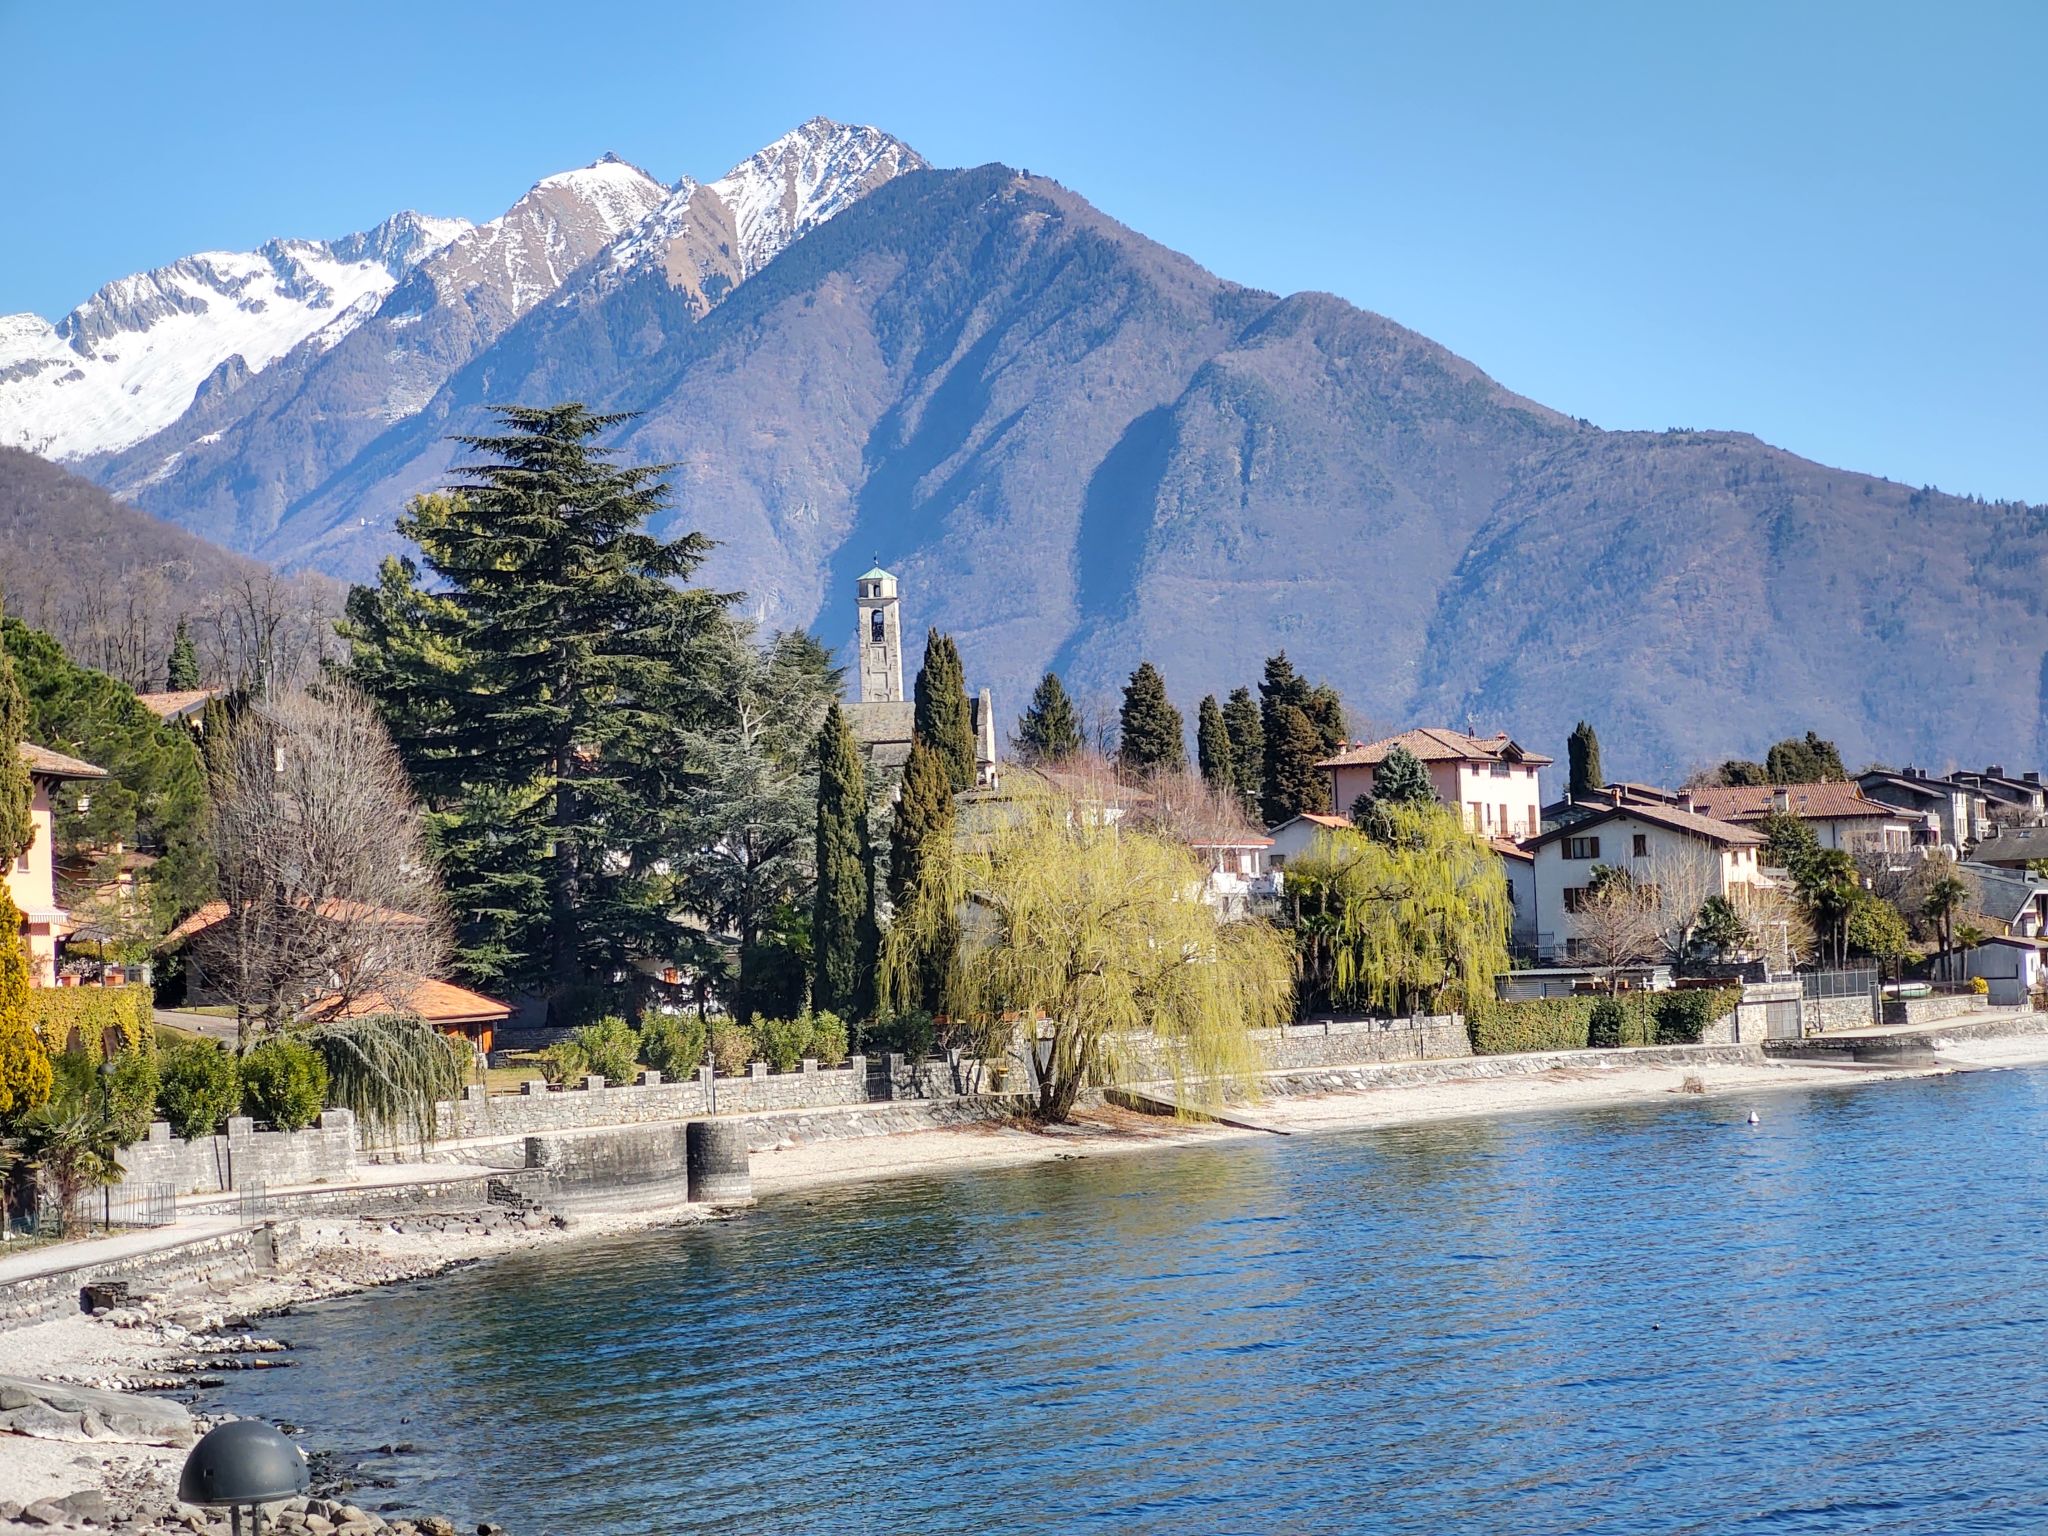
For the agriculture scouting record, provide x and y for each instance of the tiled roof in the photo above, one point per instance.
(55, 765)
(1831, 801)
(1668, 816)
(177, 703)
(1436, 744)
(438, 1002)
(340, 911)
(1508, 848)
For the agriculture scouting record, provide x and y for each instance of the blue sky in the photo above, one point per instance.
(1821, 223)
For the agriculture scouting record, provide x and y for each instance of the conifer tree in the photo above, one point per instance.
(17, 790)
(24, 1062)
(924, 822)
(842, 918)
(1401, 779)
(1213, 752)
(1281, 688)
(181, 671)
(1294, 784)
(543, 699)
(1247, 745)
(1050, 730)
(1583, 750)
(942, 718)
(1149, 738)
(1325, 711)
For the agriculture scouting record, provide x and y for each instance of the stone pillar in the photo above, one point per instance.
(474, 1093)
(648, 1080)
(593, 1081)
(757, 1070)
(720, 1166)
(533, 1085)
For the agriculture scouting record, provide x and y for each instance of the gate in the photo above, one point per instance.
(1781, 1020)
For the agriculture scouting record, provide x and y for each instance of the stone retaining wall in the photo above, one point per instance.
(1326, 1043)
(216, 1260)
(1927, 1010)
(320, 1154)
(1294, 1083)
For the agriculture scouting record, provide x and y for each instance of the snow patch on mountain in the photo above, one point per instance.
(523, 255)
(129, 361)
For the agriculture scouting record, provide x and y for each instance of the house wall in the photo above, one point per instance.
(32, 883)
(1495, 800)
(1555, 874)
(1521, 875)
(2013, 971)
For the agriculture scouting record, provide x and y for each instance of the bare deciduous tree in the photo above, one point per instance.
(1778, 922)
(323, 867)
(1617, 928)
(1680, 881)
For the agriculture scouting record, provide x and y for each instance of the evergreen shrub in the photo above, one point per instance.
(92, 1011)
(673, 1044)
(784, 1042)
(829, 1039)
(284, 1083)
(609, 1048)
(132, 1086)
(1682, 1017)
(732, 1047)
(1565, 1023)
(1604, 1025)
(200, 1087)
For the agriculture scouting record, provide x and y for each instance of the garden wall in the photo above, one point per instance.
(318, 1155)
(1929, 1010)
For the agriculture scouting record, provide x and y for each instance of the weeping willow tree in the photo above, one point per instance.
(1417, 919)
(389, 1070)
(1099, 941)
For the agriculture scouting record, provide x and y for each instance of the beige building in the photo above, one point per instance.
(1489, 780)
(1840, 814)
(32, 879)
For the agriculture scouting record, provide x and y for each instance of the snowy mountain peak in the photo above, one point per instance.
(129, 360)
(705, 238)
(522, 256)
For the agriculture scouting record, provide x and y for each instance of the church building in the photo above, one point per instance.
(883, 716)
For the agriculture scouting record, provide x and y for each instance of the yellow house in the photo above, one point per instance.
(32, 880)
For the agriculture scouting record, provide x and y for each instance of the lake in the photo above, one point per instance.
(1648, 1319)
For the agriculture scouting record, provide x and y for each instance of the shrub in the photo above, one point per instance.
(609, 1048)
(284, 1081)
(89, 1013)
(732, 1047)
(1604, 1025)
(133, 1080)
(828, 1039)
(1683, 1017)
(913, 1033)
(673, 1044)
(200, 1087)
(562, 1062)
(1980, 986)
(784, 1042)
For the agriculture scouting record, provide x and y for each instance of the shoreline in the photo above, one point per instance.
(153, 1347)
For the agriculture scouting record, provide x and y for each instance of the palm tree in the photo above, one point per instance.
(1944, 899)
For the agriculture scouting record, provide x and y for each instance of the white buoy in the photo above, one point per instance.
(1753, 1118)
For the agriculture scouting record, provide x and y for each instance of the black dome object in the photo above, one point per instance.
(243, 1461)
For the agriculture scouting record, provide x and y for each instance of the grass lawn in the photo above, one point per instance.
(519, 1067)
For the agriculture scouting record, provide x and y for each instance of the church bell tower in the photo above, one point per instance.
(880, 639)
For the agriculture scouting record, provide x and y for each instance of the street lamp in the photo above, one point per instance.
(243, 1464)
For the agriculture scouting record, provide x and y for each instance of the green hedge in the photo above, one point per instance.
(55, 1011)
(1563, 1023)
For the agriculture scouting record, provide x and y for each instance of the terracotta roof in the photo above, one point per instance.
(1508, 848)
(340, 911)
(1667, 816)
(438, 1002)
(1249, 840)
(1831, 801)
(1435, 744)
(55, 765)
(177, 703)
(1321, 819)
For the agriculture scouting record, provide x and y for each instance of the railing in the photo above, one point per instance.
(105, 1210)
(1822, 986)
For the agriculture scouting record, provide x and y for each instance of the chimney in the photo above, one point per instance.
(2031, 776)
(1781, 800)
(1685, 800)
(1914, 773)
(1614, 793)
(1995, 771)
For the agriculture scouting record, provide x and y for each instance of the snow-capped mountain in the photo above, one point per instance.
(132, 358)
(707, 237)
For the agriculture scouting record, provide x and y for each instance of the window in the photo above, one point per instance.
(1504, 827)
(1501, 770)
(875, 626)
(1581, 848)
(1472, 820)
(1642, 845)
(1575, 898)
(21, 863)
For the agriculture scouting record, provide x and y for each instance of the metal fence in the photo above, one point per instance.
(105, 1210)
(1824, 986)
(254, 1200)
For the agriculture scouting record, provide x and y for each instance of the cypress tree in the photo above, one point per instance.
(1212, 747)
(1247, 745)
(1402, 780)
(17, 790)
(1583, 751)
(1294, 783)
(942, 718)
(1325, 711)
(1150, 735)
(1281, 688)
(543, 697)
(1050, 730)
(924, 819)
(181, 671)
(841, 922)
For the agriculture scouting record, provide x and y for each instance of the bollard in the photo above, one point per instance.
(720, 1167)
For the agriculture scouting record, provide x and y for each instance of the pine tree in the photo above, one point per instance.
(924, 821)
(182, 670)
(1212, 747)
(1247, 745)
(942, 718)
(1150, 728)
(1583, 750)
(842, 919)
(543, 699)
(1325, 711)
(1294, 783)
(1050, 730)
(17, 790)
(1401, 779)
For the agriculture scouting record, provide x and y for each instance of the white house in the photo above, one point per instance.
(1291, 839)
(1840, 815)
(1654, 844)
(1239, 878)
(1958, 810)
(1489, 780)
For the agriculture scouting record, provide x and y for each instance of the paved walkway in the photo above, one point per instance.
(35, 1260)
(212, 1026)
(1989, 1021)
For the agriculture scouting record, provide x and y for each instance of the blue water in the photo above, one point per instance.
(1652, 1319)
